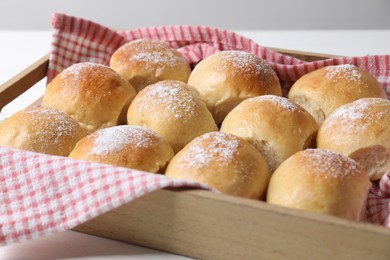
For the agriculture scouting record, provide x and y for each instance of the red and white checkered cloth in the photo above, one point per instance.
(42, 194)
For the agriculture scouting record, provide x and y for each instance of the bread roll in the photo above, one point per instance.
(172, 109)
(42, 130)
(93, 94)
(277, 127)
(224, 162)
(229, 77)
(143, 62)
(133, 147)
(322, 91)
(361, 130)
(321, 181)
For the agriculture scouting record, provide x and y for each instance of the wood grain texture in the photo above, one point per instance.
(206, 225)
(23, 81)
(306, 56)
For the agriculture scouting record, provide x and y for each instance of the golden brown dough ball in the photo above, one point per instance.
(321, 181)
(42, 130)
(277, 127)
(226, 78)
(224, 162)
(93, 94)
(172, 109)
(144, 62)
(322, 91)
(360, 130)
(133, 147)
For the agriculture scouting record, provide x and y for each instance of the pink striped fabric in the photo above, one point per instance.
(42, 194)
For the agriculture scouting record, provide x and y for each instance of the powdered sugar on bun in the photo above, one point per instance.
(227, 78)
(145, 61)
(321, 181)
(93, 94)
(51, 125)
(324, 90)
(240, 62)
(224, 162)
(221, 148)
(41, 129)
(174, 110)
(360, 130)
(128, 146)
(330, 164)
(154, 53)
(178, 100)
(359, 115)
(76, 69)
(344, 71)
(276, 126)
(281, 102)
(114, 139)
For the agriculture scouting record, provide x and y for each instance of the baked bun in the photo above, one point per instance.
(277, 127)
(360, 130)
(321, 181)
(226, 78)
(322, 91)
(143, 62)
(172, 109)
(93, 94)
(133, 147)
(42, 130)
(224, 162)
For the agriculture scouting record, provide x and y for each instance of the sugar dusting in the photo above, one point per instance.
(155, 57)
(113, 139)
(170, 94)
(331, 164)
(282, 102)
(240, 62)
(359, 115)
(76, 71)
(52, 125)
(345, 71)
(211, 147)
(153, 53)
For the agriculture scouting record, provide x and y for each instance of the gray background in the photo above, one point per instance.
(237, 14)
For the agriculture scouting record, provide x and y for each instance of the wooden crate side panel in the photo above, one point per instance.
(23, 81)
(214, 226)
(306, 56)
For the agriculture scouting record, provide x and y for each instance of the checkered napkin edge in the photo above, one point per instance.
(43, 194)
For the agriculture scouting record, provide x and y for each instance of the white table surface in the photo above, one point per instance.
(19, 49)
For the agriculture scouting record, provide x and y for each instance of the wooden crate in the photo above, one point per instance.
(206, 225)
